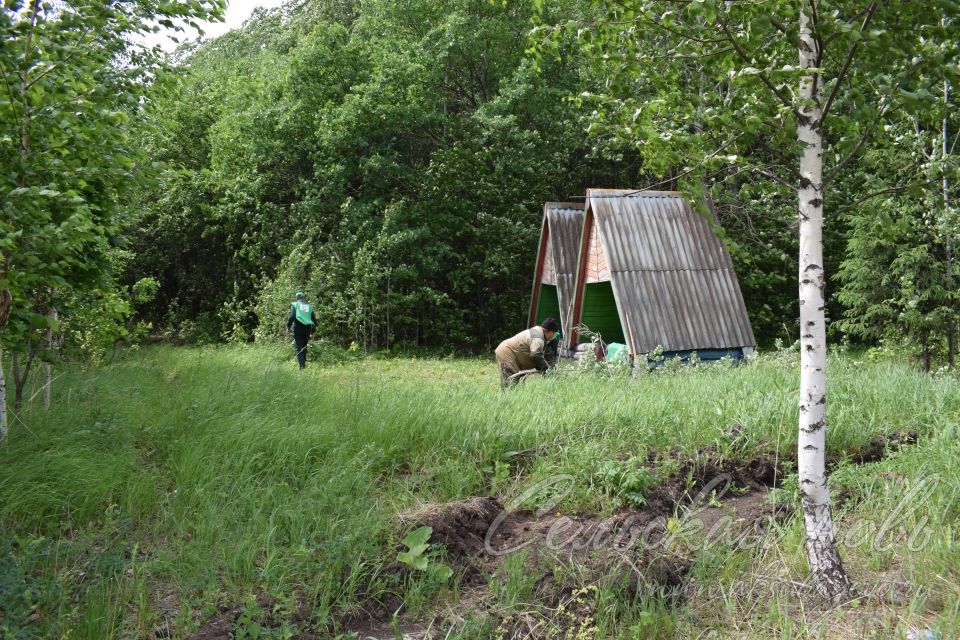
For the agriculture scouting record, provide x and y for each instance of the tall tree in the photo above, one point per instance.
(897, 276)
(825, 563)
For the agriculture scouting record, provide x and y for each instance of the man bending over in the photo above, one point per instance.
(525, 351)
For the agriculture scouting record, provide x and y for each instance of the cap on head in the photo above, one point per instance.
(300, 294)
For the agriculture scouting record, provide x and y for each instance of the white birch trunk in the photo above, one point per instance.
(3, 401)
(948, 220)
(47, 380)
(826, 569)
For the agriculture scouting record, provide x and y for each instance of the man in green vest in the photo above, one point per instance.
(304, 322)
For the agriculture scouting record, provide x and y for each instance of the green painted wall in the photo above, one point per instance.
(548, 305)
(600, 312)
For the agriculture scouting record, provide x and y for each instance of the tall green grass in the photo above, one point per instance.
(176, 480)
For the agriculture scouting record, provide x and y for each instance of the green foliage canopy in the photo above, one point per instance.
(73, 78)
(392, 162)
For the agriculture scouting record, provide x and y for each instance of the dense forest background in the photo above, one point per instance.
(391, 159)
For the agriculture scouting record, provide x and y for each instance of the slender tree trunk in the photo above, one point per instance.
(6, 300)
(948, 219)
(47, 381)
(826, 569)
(20, 375)
(47, 367)
(3, 400)
(17, 387)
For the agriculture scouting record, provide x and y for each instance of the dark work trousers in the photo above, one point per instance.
(301, 335)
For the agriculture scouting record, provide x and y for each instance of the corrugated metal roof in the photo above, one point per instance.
(563, 224)
(673, 280)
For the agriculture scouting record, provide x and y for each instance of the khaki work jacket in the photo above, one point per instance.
(524, 350)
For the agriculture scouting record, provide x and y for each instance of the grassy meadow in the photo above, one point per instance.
(178, 483)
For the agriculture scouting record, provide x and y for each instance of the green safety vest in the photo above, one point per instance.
(304, 312)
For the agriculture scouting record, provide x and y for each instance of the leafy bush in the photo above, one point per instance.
(22, 592)
(94, 323)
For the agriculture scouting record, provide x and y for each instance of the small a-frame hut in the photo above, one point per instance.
(652, 273)
(556, 271)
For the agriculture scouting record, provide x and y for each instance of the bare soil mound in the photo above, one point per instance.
(879, 446)
(459, 526)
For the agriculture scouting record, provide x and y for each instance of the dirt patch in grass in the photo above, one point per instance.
(479, 532)
(879, 446)
(459, 526)
(386, 630)
(697, 473)
(224, 624)
(743, 510)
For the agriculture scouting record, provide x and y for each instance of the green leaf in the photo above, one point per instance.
(443, 572)
(418, 537)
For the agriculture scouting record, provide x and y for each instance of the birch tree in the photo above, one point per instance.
(795, 92)
(822, 554)
(3, 399)
(946, 153)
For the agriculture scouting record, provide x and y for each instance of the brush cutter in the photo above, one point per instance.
(519, 376)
